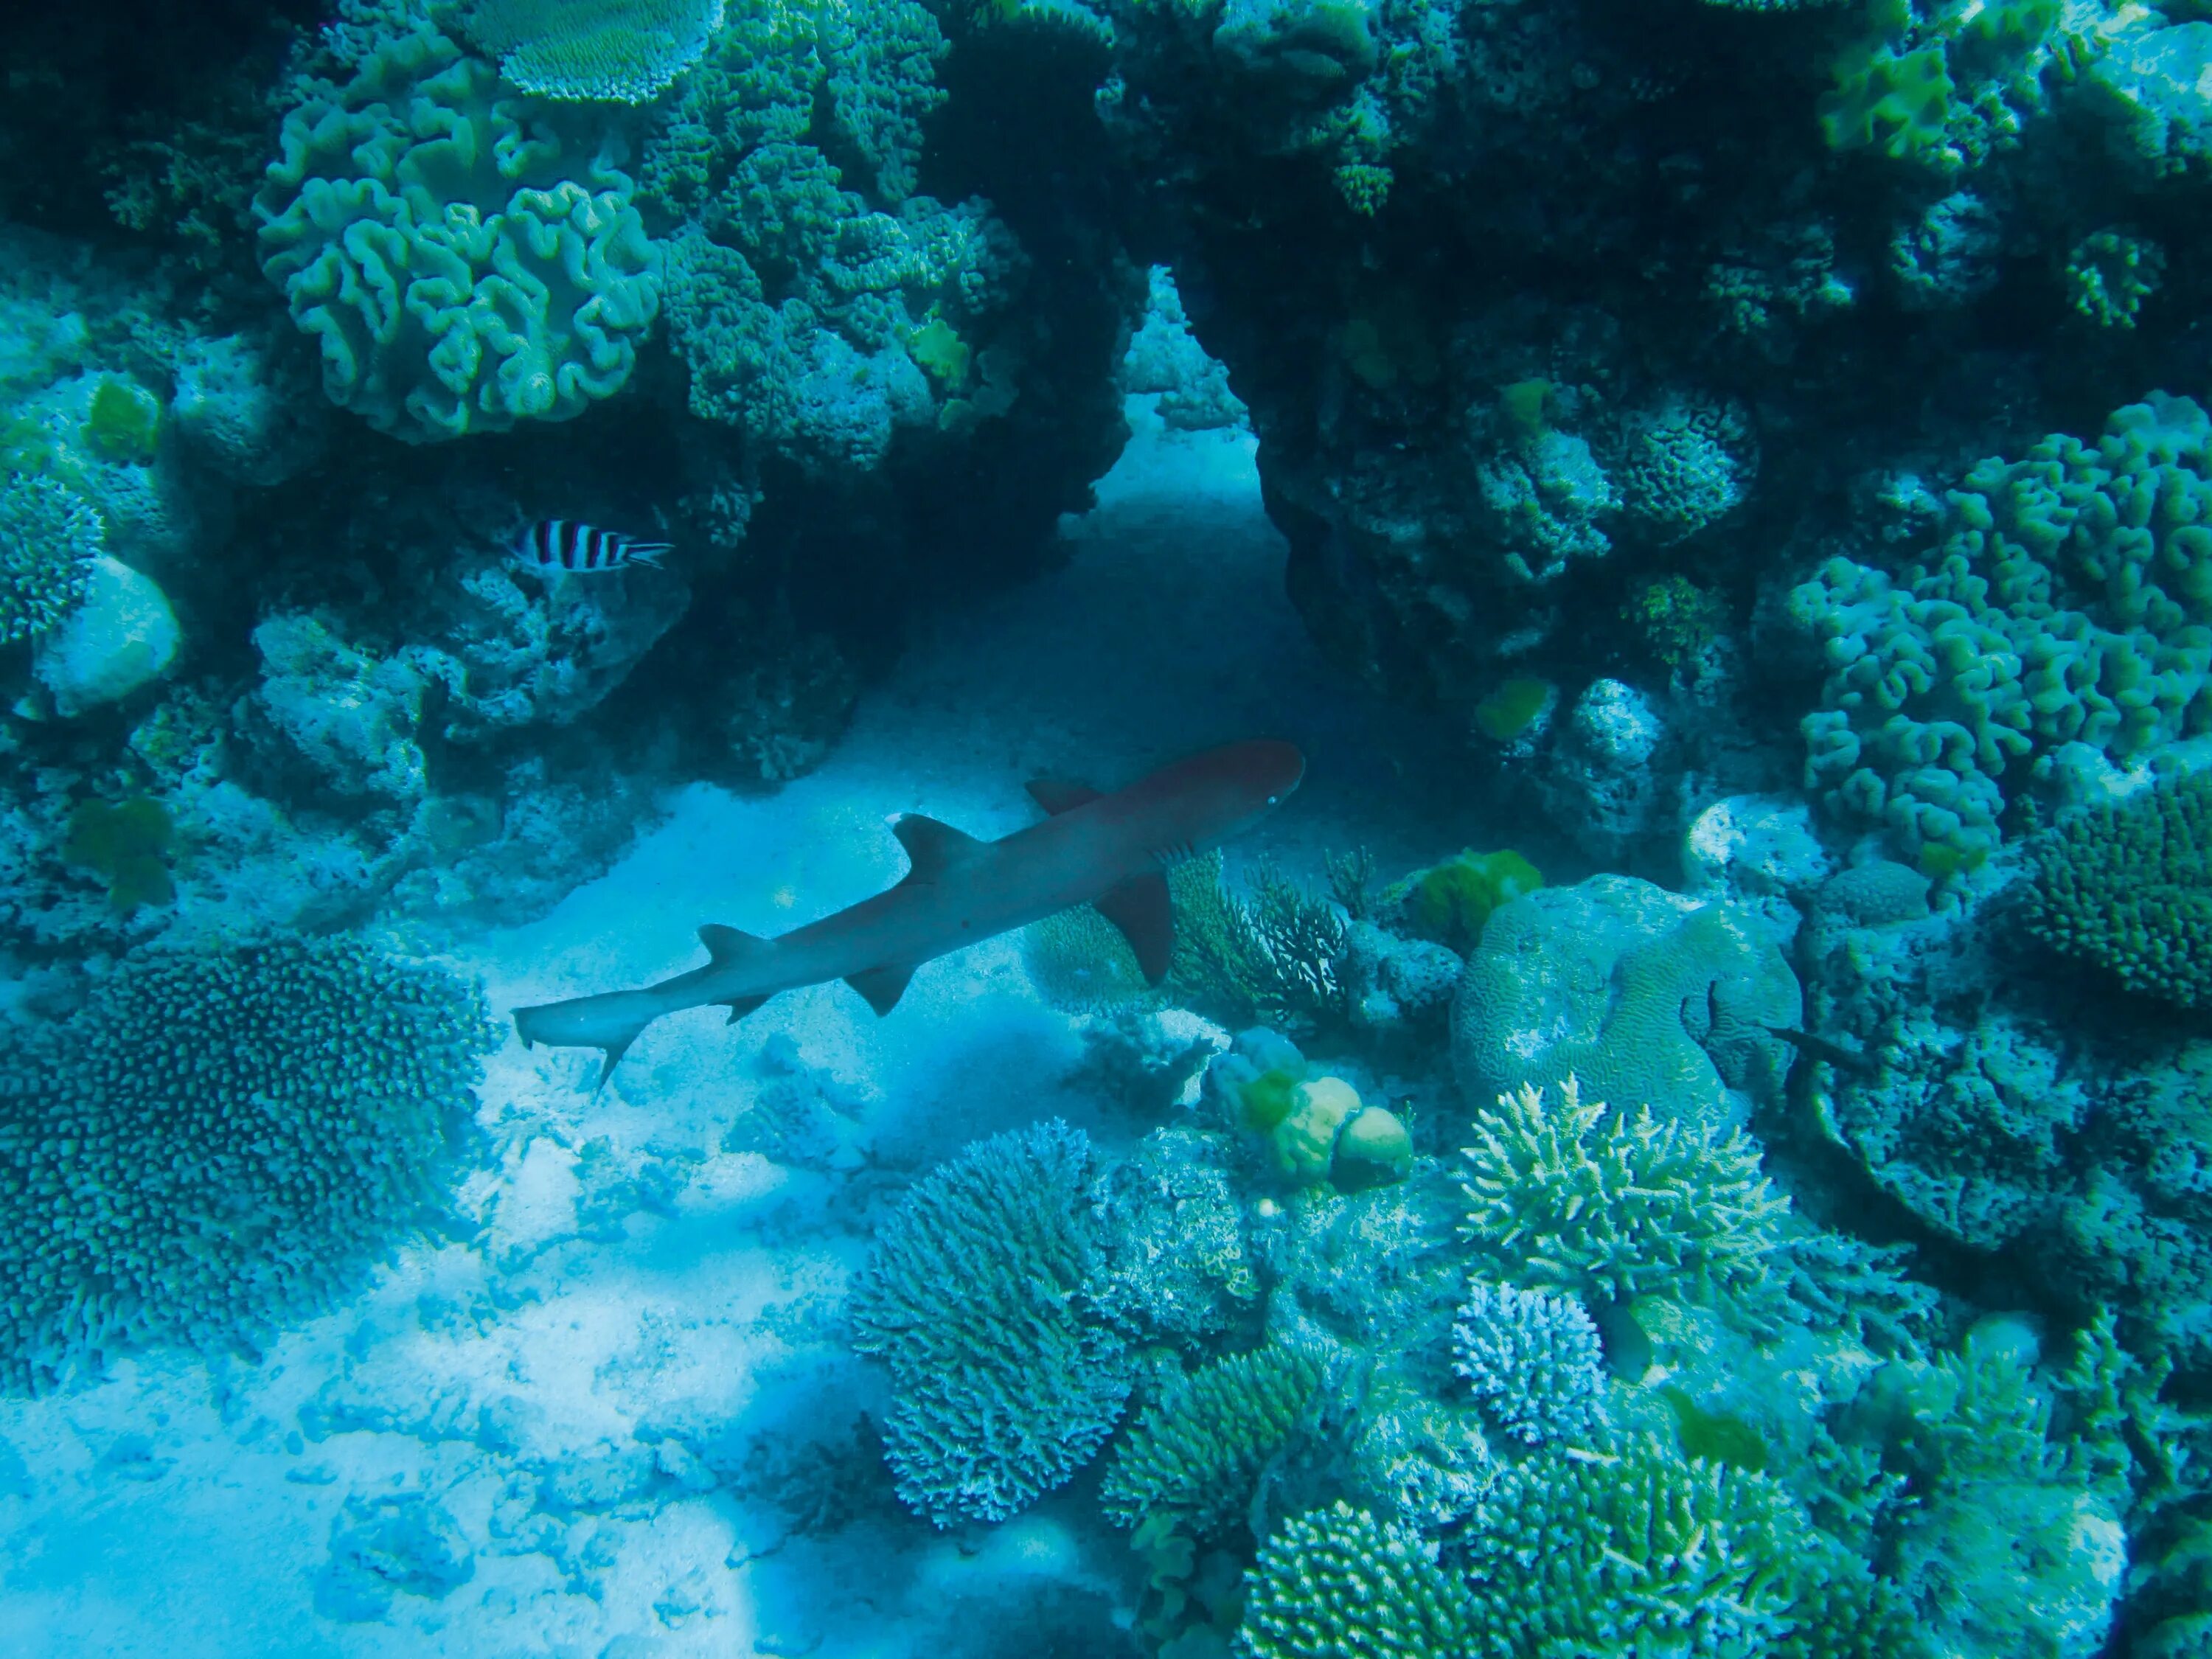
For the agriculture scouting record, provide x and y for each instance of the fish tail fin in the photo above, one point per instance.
(609, 1024)
(647, 552)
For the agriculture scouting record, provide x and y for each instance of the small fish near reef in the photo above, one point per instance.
(1108, 850)
(561, 547)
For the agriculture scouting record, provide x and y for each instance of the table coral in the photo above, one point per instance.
(622, 50)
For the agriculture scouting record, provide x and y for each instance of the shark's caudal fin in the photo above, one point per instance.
(609, 1024)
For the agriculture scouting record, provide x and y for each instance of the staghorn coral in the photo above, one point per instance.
(976, 1296)
(198, 1175)
(1566, 1200)
(1196, 1455)
(618, 51)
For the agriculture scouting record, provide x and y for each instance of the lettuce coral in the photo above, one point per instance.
(465, 258)
(976, 1297)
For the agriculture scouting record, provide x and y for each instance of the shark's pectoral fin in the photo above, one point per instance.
(934, 849)
(614, 1052)
(1139, 908)
(740, 1006)
(1058, 795)
(728, 945)
(882, 988)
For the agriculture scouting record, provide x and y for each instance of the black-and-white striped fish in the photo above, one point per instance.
(553, 546)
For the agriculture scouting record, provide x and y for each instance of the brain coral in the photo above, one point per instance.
(218, 1140)
(622, 51)
(1642, 993)
(976, 1296)
(467, 258)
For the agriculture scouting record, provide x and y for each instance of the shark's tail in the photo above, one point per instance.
(611, 1023)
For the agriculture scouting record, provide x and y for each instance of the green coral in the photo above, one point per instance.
(1272, 958)
(124, 421)
(219, 1139)
(1449, 902)
(1677, 618)
(125, 843)
(1514, 706)
(1568, 1200)
(1195, 1456)
(2110, 274)
(1622, 1551)
(465, 259)
(1339, 1583)
(2070, 601)
(49, 538)
(619, 51)
(1896, 104)
(977, 1297)
(2129, 888)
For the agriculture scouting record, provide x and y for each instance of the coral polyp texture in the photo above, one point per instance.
(1533, 1360)
(618, 51)
(465, 258)
(1580, 1198)
(50, 539)
(2129, 888)
(1340, 1582)
(219, 1139)
(1005, 1383)
(1195, 1455)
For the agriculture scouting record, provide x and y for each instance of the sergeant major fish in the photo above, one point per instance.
(559, 546)
(1108, 850)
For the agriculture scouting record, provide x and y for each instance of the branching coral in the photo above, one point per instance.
(49, 538)
(975, 1296)
(1196, 1454)
(1533, 1360)
(1620, 1209)
(217, 1141)
(2129, 888)
(1340, 1582)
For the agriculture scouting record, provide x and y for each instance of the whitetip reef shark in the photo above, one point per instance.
(1108, 850)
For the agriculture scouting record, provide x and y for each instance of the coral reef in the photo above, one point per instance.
(200, 1175)
(973, 1297)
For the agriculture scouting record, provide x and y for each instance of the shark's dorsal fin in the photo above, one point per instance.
(729, 945)
(882, 988)
(1139, 908)
(1058, 795)
(933, 848)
